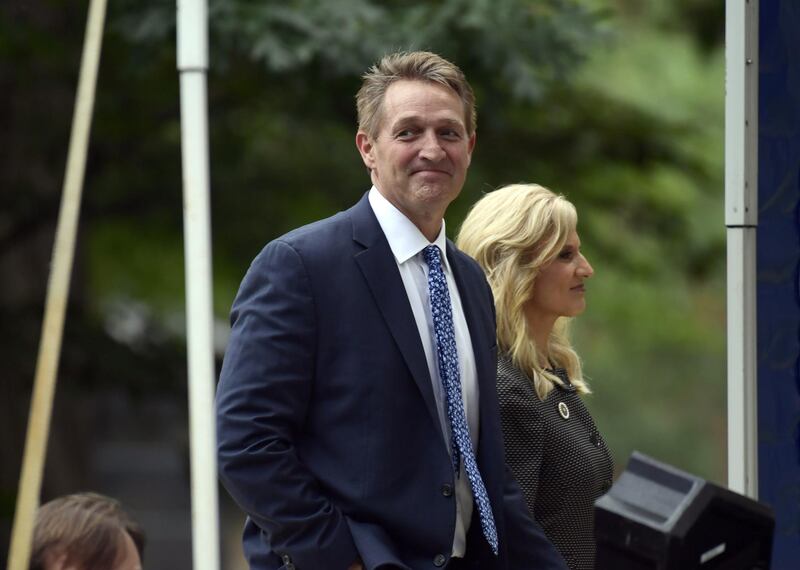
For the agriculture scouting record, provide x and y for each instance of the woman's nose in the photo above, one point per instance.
(585, 268)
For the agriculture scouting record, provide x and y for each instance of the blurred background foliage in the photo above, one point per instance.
(618, 104)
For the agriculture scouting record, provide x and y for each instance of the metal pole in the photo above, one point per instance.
(741, 219)
(192, 66)
(44, 385)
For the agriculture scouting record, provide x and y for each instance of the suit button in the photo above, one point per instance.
(439, 560)
(447, 490)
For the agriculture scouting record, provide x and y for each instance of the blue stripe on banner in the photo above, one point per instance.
(778, 264)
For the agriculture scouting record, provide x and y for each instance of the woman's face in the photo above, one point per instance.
(559, 289)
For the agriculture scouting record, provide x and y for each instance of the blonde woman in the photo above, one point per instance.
(524, 237)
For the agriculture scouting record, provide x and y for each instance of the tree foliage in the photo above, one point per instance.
(539, 41)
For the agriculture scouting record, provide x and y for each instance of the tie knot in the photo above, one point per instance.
(432, 256)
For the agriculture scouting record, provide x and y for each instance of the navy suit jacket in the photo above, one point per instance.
(329, 437)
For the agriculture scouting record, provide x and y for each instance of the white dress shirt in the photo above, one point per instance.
(407, 242)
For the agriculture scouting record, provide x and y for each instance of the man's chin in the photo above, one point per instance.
(435, 191)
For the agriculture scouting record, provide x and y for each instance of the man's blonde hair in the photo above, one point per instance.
(415, 65)
(513, 233)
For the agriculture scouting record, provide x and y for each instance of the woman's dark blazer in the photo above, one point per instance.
(558, 457)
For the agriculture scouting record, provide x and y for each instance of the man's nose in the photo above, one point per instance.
(431, 148)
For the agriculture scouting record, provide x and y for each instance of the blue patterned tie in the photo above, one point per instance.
(449, 371)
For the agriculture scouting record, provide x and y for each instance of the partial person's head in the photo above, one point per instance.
(416, 133)
(525, 238)
(85, 531)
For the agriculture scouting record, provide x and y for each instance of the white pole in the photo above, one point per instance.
(192, 65)
(741, 219)
(44, 385)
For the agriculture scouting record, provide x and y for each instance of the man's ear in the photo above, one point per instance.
(470, 147)
(365, 147)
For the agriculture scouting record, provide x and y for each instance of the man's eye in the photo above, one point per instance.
(451, 134)
(566, 254)
(405, 133)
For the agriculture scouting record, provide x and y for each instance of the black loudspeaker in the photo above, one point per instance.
(657, 517)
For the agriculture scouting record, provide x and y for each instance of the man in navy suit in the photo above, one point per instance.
(335, 419)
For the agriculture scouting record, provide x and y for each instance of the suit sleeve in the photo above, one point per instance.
(528, 547)
(262, 401)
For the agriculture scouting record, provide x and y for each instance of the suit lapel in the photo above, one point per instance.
(480, 320)
(477, 314)
(473, 300)
(378, 265)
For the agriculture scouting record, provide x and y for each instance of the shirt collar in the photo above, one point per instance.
(405, 239)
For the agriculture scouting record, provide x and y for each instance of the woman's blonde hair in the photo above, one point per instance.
(513, 233)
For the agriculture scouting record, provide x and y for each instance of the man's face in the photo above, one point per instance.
(419, 157)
